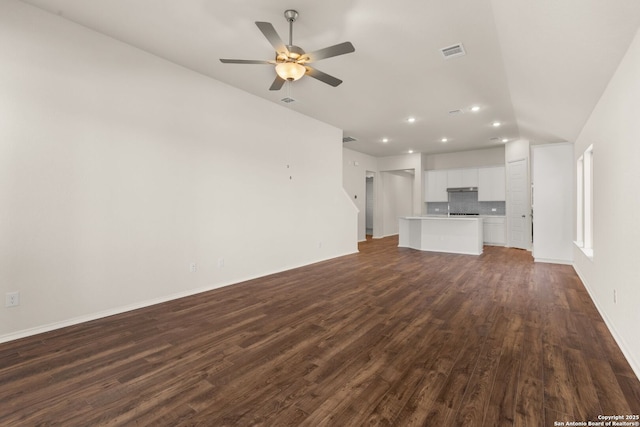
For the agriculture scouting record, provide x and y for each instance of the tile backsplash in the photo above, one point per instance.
(466, 202)
(486, 208)
(437, 208)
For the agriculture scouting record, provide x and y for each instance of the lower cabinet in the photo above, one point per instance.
(494, 231)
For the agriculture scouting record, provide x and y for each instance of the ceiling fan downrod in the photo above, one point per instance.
(291, 16)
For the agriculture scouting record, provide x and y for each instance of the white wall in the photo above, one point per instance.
(614, 131)
(397, 193)
(516, 150)
(466, 159)
(553, 207)
(408, 162)
(118, 169)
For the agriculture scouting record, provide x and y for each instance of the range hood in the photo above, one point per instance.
(461, 189)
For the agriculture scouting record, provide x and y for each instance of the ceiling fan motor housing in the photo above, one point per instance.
(295, 54)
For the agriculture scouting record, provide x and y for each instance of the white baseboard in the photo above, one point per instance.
(40, 329)
(99, 315)
(635, 364)
(554, 261)
(387, 235)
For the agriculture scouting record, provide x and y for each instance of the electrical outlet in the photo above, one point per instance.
(193, 267)
(615, 297)
(12, 299)
(220, 262)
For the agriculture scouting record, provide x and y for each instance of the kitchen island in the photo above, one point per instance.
(459, 235)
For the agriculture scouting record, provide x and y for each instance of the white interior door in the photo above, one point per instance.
(518, 206)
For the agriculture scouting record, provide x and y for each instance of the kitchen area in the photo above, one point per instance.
(465, 209)
(425, 198)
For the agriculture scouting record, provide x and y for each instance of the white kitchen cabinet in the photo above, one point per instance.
(493, 230)
(457, 178)
(436, 186)
(470, 177)
(454, 178)
(491, 184)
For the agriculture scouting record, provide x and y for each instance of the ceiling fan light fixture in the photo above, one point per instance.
(290, 71)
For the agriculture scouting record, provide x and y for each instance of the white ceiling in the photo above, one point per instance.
(537, 66)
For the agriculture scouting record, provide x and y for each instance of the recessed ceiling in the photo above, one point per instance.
(537, 67)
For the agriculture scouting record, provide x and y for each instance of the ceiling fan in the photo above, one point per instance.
(291, 61)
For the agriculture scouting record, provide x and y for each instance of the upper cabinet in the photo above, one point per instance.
(469, 177)
(491, 184)
(436, 186)
(457, 178)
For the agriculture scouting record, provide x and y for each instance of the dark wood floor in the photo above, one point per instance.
(388, 336)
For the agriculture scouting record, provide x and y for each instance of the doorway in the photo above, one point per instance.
(369, 205)
(396, 198)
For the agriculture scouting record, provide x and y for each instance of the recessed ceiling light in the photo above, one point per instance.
(505, 140)
(444, 140)
(496, 124)
(411, 119)
(410, 151)
(475, 108)
(385, 140)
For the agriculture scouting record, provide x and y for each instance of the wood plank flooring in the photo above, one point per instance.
(389, 336)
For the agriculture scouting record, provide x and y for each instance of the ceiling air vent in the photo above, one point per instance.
(455, 112)
(288, 100)
(453, 51)
(348, 139)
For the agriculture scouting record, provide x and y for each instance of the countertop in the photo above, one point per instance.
(444, 217)
(461, 216)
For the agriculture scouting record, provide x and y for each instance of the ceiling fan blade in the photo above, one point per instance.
(273, 37)
(323, 77)
(277, 83)
(245, 61)
(328, 52)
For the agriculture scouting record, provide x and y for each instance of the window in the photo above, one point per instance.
(584, 197)
(580, 202)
